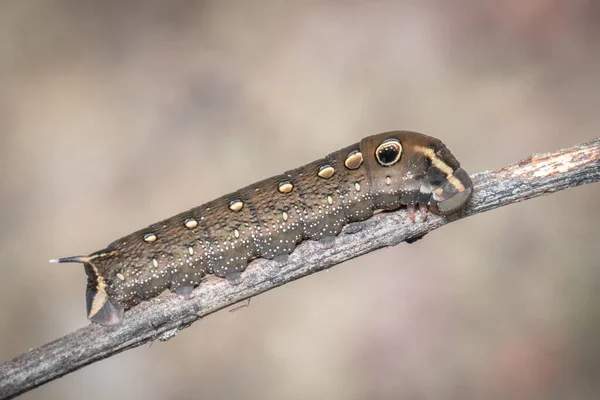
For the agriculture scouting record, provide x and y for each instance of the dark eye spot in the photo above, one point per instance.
(388, 152)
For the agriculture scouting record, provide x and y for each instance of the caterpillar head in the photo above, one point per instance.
(417, 168)
(99, 306)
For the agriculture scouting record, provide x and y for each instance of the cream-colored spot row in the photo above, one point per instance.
(354, 160)
(190, 223)
(285, 187)
(150, 237)
(326, 171)
(236, 205)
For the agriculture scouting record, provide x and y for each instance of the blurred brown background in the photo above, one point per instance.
(116, 114)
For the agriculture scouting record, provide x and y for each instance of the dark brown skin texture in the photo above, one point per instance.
(269, 218)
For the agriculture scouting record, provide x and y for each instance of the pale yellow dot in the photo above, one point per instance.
(326, 171)
(285, 187)
(120, 276)
(236, 205)
(236, 233)
(354, 160)
(284, 216)
(190, 223)
(155, 262)
(191, 251)
(150, 237)
(388, 180)
(329, 200)
(357, 186)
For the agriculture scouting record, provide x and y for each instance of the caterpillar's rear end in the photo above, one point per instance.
(269, 218)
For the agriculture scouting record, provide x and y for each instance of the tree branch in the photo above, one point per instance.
(163, 317)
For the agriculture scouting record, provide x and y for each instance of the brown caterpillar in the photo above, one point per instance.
(269, 218)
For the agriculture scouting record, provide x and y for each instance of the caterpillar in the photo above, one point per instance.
(269, 218)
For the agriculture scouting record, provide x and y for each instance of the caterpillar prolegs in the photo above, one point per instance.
(269, 218)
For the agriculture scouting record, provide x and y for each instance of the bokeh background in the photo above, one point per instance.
(116, 114)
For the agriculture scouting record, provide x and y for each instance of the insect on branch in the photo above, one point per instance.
(162, 317)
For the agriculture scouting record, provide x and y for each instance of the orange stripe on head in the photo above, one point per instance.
(458, 185)
(435, 160)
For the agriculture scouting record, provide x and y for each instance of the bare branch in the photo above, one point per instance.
(163, 317)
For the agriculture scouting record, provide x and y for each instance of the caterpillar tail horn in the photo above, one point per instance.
(74, 259)
(100, 308)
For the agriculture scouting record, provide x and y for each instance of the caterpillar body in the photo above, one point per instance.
(269, 218)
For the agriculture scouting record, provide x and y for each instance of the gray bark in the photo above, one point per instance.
(163, 317)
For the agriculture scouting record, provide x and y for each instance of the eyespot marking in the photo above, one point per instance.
(284, 216)
(326, 171)
(190, 223)
(236, 205)
(190, 251)
(150, 237)
(357, 186)
(155, 262)
(388, 152)
(236, 233)
(285, 187)
(354, 160)
(120, 276)
(329, 200)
